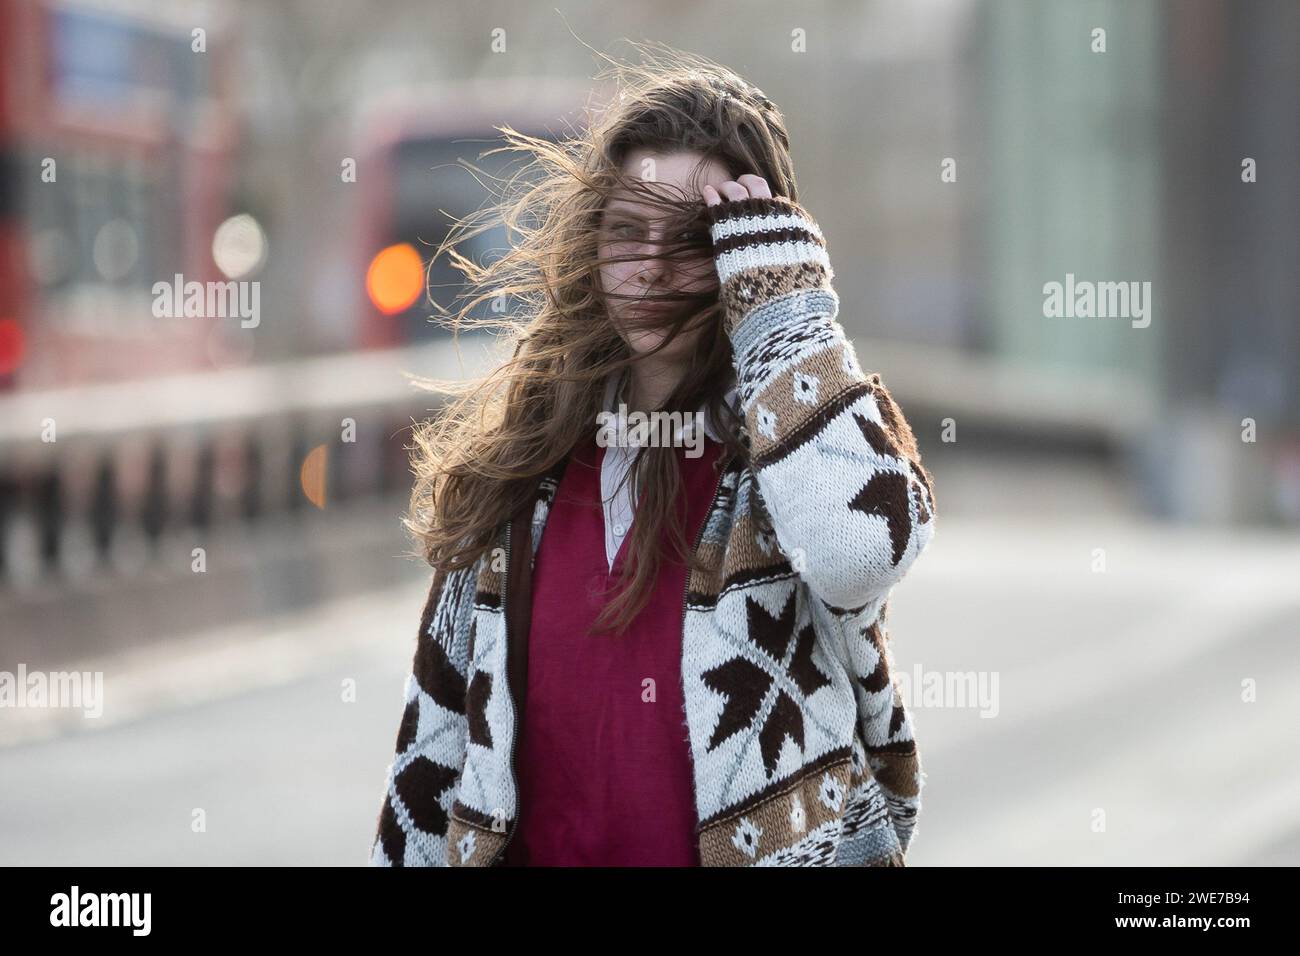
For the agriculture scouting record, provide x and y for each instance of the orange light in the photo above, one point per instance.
(395, 278)
(11, 346)
(312, 475)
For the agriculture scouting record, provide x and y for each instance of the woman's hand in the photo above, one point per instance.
(748, 186)
(834, 458)
(764, 246)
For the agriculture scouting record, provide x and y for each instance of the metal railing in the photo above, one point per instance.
(86, 472)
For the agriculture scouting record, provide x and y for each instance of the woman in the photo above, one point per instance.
(665, 647)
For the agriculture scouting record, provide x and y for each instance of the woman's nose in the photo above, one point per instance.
(653, 266)
(648, 272)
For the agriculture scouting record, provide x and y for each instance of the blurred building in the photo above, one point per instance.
(1124, 162)
(119, 133)
(960, 155)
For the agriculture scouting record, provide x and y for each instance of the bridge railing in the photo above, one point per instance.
(100, 475)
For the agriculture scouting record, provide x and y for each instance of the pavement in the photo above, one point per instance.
(1140, 712)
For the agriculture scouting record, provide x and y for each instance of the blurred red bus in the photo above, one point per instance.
(117, 131)
(411, 189)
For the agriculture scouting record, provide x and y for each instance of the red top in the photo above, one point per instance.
(604, 762)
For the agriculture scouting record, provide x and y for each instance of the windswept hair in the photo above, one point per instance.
(480, 460)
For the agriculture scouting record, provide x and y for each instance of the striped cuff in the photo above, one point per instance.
(765, 248)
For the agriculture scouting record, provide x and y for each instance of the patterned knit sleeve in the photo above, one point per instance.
(433, 734)
(836, 462)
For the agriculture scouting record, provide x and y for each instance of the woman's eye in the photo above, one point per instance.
(627, 230)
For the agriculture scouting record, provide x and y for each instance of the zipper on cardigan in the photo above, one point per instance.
(699, 535)
(686, 591)
(515, 692)
(514, 710)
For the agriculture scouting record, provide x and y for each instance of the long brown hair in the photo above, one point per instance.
(480, 461)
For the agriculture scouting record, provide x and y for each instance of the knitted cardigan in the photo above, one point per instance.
(803, 751)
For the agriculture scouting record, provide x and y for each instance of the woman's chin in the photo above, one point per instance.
(678, 350)
(641, 342)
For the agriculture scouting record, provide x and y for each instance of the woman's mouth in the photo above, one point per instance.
(654, 308)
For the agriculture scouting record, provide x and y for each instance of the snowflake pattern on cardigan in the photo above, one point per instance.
(803, 751)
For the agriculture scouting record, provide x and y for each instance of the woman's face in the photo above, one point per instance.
(629, 229)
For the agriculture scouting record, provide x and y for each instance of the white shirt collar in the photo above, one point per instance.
(615, 379)
(616, 494)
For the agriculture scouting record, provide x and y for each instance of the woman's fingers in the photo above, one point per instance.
(733, 191)
(756, 185)
(747, 186)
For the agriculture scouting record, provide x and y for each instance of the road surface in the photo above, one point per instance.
(1118, 734)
